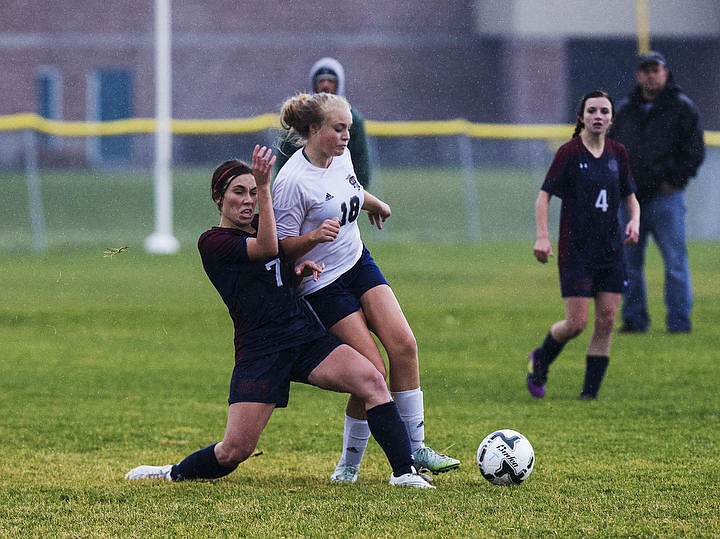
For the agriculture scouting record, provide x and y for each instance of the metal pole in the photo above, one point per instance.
(472, 215)
(162, 240)
(32, 173)
(643, 26)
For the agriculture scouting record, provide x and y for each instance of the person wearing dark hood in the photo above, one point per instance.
(327, 75)
(660, 127)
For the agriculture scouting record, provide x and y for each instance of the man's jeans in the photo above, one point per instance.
(663, 217)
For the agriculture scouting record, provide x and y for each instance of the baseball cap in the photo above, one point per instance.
(651, 57)
(325, 73)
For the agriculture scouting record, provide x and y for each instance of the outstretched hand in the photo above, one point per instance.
(379, 215)
(262, 164)
(308, 267)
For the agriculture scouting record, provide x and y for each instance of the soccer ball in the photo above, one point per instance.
(505, 457)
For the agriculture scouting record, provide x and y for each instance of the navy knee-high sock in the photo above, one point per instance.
(390, 433)
(200, 465)
(544, 356)
(549, 350)
(595, 367)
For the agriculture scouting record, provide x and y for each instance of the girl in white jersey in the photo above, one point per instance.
(317, 201)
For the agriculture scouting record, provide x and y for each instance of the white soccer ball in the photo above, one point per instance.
(505, 457)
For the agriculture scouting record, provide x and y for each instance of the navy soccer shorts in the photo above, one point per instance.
(266, 378)
(342, 297)
(579, 281)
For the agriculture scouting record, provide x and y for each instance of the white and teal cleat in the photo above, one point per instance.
(426, 458)
(345, 473)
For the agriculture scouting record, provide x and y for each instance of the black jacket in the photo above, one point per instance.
(665, 143)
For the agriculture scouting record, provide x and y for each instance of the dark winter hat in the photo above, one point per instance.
(651, 57)
(325, 73)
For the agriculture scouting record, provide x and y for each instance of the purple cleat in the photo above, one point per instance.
(536, 390)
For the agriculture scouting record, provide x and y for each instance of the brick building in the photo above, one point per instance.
(484, 60)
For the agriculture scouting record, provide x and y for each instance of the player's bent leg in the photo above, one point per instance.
(201, 464)
(385, 318)
(387, 321)
(246, 422)
(346, 370)
(353, 331)
(576, 315)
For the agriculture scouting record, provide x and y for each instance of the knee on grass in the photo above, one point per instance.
(231, 455)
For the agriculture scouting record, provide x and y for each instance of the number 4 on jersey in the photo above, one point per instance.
(601, 201)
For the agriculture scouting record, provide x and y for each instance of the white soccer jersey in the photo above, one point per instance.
(304, 196)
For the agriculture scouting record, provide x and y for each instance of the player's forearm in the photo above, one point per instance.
(297, 246)
(633, 208)
(267, 242)
(541, 215)
(371, 203)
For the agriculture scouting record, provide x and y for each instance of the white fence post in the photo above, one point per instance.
(32, 174)
(162, 240)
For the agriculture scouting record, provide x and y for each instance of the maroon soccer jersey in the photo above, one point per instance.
(592, 189)
(267, 313)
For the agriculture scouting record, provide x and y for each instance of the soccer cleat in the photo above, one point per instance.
(628, 328)
(345, 473)
(535, 389)
(426, 458)
(412, 479)
(585, 396)
(150, 472)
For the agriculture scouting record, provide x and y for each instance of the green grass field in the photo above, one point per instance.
(113, 208)
(108, 363)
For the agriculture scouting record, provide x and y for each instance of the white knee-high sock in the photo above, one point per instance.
(355, 439)
(412, 410)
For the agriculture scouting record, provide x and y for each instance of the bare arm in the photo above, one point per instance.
(542, 249)
(632, 228)
(377, 210)
(297, 246)
(265, 245)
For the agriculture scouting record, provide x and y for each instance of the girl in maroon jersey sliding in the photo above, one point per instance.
(277, 338)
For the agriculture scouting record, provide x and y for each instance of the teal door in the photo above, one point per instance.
(114, 102)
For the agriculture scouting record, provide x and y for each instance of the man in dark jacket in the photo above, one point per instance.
(660, 127)
(328, 75)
